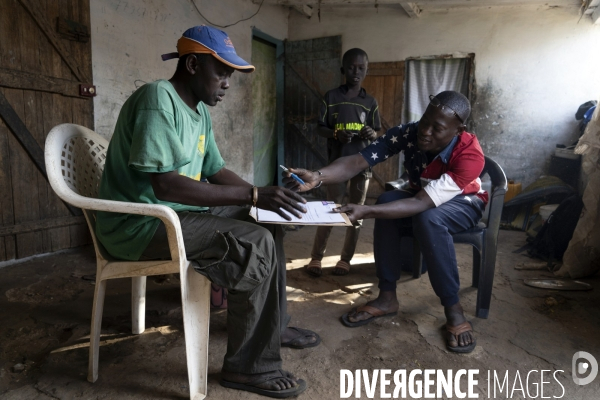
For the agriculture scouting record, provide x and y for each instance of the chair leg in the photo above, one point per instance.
(99, 292)
(138, 304)
(476, 267)
(417, 259)
(195, 299)
(486, 283)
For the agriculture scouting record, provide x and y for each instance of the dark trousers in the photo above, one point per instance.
(433, 229)
(248, 259)
(357, 193)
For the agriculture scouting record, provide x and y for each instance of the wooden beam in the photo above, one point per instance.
(306, 81)
(22, 134)
(591, 7)
(309, 144)
(12, 78)
(34, 226)
(596, 15)
(26, 139)
(429, 3)
(304, 9)
(385, 72)
(411, 9)
(40, 18)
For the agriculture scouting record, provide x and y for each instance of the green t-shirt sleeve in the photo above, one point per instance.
(155, 145)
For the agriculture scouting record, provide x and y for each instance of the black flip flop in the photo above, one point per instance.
(277, 394)
(457, 330)
(375, 312)
(303, 333)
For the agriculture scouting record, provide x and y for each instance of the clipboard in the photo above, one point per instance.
(319, 214)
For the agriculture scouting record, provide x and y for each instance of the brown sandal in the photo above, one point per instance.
(458, 330)
(341, 268)
(314, 267)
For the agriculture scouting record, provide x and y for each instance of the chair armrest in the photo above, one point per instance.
(164, 213)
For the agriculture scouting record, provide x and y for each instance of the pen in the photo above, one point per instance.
(296, 177)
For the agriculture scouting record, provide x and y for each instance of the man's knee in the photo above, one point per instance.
(427, 218)
(262, 237)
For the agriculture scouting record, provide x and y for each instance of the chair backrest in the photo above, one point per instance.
(75, 159)
(496, 197)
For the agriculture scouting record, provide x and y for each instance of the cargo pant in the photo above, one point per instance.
(232, 251)
(357, 194)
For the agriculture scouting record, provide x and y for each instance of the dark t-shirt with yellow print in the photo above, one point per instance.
(156, 132)
(339, 112)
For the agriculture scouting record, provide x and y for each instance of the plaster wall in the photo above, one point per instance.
(534, 67)
(128, 38)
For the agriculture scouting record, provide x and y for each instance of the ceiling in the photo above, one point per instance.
(416, 8)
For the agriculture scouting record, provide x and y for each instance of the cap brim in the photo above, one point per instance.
(234, 61)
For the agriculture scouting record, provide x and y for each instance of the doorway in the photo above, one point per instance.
(266, 108)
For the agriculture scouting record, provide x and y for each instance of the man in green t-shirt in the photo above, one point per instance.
(162, 148)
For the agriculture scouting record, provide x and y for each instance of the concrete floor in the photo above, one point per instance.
(46, 302)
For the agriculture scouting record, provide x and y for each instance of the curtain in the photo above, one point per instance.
(425, 77)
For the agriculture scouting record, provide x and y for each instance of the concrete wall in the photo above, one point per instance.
(128, 38)
(534, 67)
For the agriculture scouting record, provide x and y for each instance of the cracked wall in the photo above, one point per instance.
(534, 67)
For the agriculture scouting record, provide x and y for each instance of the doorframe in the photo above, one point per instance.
(279, 87)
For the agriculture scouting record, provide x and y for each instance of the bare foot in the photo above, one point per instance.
(454, 317)
(273, 380)
(386, 302)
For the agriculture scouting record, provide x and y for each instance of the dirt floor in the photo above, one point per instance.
(46, 302)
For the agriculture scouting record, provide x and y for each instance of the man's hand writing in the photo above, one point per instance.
(278, 199)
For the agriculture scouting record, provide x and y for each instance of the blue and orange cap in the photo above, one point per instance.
(208, 40)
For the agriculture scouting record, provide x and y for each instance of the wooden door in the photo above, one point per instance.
(45, 54)
(264, 111)
(385, 82)
(312, 67)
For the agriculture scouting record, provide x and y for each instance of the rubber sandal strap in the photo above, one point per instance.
(343, 265)
(267, 378)
(376, 312)
(459, 329)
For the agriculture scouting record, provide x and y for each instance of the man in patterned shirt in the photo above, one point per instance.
(444, 163)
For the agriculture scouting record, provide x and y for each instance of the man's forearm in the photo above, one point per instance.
(343, 169)
(175, 188)
(227, 177)
(404, 208)
(399, 209)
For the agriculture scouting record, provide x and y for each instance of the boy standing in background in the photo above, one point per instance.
(349, 119)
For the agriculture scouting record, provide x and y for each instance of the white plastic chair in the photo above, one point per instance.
(74, 162)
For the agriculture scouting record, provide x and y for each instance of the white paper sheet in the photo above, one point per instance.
(317, 213)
